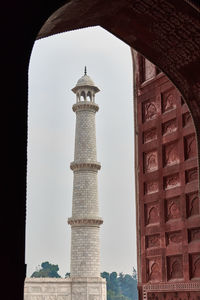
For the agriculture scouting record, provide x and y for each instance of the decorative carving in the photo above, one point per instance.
(187, 119)
(153, 241)
(173, 209)
(171, 181)
(150, 161)
(151, 187)
(169, 101)
(85, 222)
(194, 234)
(195, 265)
(174, 237)
(152, 213)
(171, 155)
(175, 267)
(172, 295)
(150, 110)
(192, 204)
(191, 175)
(154, 269)
(85, 106)
(190, 146)
(180, 286)
(94, 297)
(149, 135)
(169, 127)
(86, 166)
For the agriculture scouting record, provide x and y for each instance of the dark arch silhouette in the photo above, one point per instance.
(151, 27)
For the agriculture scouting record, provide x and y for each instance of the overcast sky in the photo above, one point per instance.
(56, 64)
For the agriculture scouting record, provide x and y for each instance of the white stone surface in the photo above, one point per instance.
(65, 289)
(85, 137)
(85, 196)
(85, 221)
(85, 254)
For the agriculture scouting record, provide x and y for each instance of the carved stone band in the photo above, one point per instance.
(85, 222)
(85, 166)
(172, 286)
(85, 106)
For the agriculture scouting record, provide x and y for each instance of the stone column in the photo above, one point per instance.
(85, 221)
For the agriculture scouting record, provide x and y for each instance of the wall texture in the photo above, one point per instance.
(65, 289)
(168, 210)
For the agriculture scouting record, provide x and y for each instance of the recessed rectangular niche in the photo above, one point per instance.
(190, 146)
(174, 238)
(171, 181)
(150, 110)
(172, 210)
(152, 213)
(151, 187)
(191, 174)
(171, 154)
(168, 101)
(149, 135)
(169, 127)
(150, 161)
(187, 119)
(174, 267)
(192, 203)
(153, 241)
(194, 234)
(194, 265)
(154, 271)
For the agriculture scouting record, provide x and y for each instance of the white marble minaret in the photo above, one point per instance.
(85, 221)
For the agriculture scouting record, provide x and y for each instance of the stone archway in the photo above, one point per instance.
(166, 32)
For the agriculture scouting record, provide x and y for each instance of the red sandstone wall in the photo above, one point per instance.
(168, 206)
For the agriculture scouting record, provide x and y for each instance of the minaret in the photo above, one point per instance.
(85, 221)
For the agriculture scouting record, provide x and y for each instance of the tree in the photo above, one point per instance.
(47, 270)
(122, 287)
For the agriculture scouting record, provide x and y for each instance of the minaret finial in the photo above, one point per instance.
(85, 71)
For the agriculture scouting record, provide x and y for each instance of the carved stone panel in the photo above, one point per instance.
(174, 237)
(173, 209)
(169, 127)
(190, 146)
(187, 119)
(174, 267)
(154, 273)
(151, 213)
(192, 204)
(168, 101)
(151, 187)
(150, 110)
(191, 175)
(171, 154)
(149, 135)
(171, 181)
(94, 297)
(50, 297)
(153, 241)
(150, 161)
(195, 265)
(194, 234)
(175, 295)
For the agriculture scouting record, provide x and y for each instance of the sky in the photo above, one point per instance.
(56, 64)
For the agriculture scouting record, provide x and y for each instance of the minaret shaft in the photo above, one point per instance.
(85, 221)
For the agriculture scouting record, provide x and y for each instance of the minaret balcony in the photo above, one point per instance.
(96, 221)
(92, 166)
(85, 105)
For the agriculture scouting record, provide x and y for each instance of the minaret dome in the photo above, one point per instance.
(85, 89)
